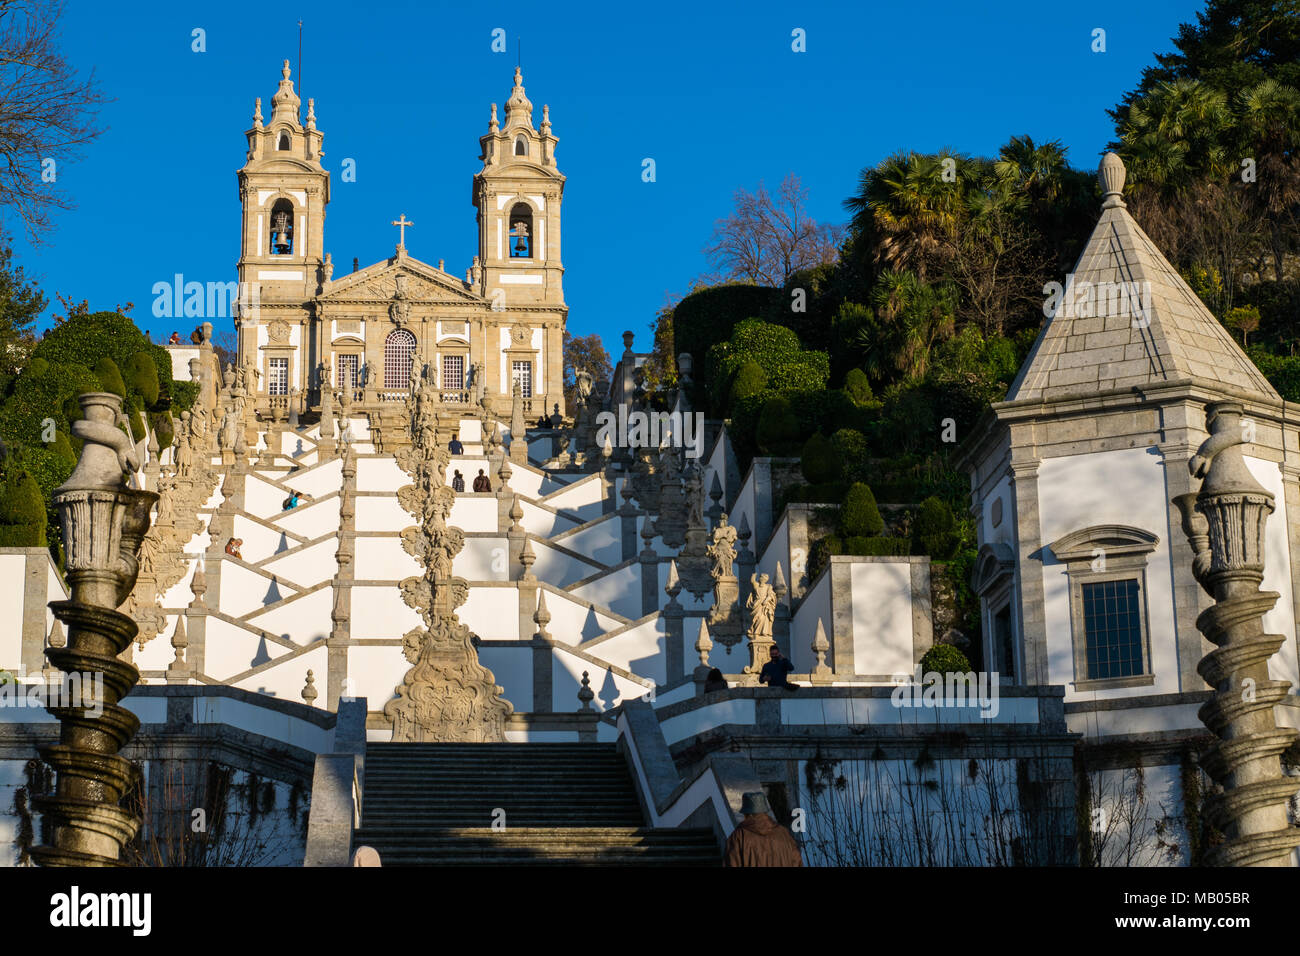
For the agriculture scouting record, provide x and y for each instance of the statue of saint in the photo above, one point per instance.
(723, 549)
(761, 606)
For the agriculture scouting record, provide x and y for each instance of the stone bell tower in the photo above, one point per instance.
(518, 194)
(283, 192)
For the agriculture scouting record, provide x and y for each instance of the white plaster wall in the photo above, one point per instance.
(512, 667)
(260, 542)
(484, 559)
(610, 689)
(287, 678)
(555, 567)
(472, 513)
(303, 620)
(573, 622)
(492, 613)
(816, 605)
(314, 563)
(778, 549)
(12, 568)
(380, 514)
(383, 559)
(244, 591)
(380, 474)
(378, 612)
(319, 480)
(581, 497)
(882, 617)
(545, 523)
(231, 650)
(262, 498)
(1114, 487)
(704, 719)
(744, 507)
(374, 672)
(1004, 533)
(620, 591)
(639, 649)
(313, 519)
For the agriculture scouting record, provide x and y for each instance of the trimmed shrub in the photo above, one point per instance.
(934, 529)
(859, 515)
(877, 547)
(22, 511)
(110, 376)
(858, 387)
(944, 659)
(750, 380)
(819, 462)
(143, 376)
(850, 447)
(778, 429)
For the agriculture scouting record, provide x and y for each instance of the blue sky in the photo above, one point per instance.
(713, 93)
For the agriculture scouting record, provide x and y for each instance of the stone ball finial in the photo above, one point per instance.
(1111, 175)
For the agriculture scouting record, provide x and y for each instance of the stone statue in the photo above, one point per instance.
(417, 371)
(723, 549)
(372, 374)
(184, 454)
(761, 606)
(323, 375)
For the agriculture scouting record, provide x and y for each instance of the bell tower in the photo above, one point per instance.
(283, 192)
(518, 194)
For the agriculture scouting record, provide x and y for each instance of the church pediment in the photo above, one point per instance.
(408, 279)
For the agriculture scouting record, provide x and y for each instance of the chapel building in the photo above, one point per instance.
(365, 336)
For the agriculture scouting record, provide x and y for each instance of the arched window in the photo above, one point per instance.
(282, 228)
(521, 231)
(397, 359)
(521, 146)
(284, 140)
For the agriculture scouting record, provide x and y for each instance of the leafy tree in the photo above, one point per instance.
(858, 386)
(584, 353)
(20, 305)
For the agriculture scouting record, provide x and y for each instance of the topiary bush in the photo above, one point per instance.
(858, 387)
(877, 547)
(143, 377)
(750, 380)
(944, 659)
(22, 511)
(850, 447)
(110, 376)
(859, 515)
(934, 529)
(819, 462)
(778, 429)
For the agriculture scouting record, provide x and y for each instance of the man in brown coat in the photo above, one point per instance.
(759, 840)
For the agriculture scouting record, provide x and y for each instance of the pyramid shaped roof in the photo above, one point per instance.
(1127, 319)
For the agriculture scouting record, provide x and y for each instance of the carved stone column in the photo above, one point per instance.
(1225, 524)
(103, 523)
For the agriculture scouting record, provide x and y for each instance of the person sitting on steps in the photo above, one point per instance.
(482, 482)
(774, 671)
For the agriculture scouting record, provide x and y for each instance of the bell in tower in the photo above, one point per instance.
(282, 229)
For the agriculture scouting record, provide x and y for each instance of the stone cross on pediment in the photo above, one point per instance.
(402, 222)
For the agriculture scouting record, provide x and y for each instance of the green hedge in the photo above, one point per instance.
(819, 461)
(859, 515)
(23, 514)
(944, 659)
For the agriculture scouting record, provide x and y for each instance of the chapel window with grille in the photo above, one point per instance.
(398, 349)
(523, 377)
(453, 372)
(349, 370)
(1112, 619)
(277, 376)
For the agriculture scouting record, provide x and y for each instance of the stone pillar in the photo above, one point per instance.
(542, 658)
(781, 621)
(103, 524)
(336, 652)
(1029, 573)
(675, 664)
(1225, 524)
(628, 514)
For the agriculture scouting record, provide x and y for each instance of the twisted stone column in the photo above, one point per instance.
(1225, 524)
(103, 525)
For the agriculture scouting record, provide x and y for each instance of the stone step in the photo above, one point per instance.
(563, 836)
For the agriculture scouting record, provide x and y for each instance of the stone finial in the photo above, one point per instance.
(493, 126)
(674, 585)
(1111, 175)
(516, 514)
(704, 643)
(309, 692)
(257, 113)
(779, 585)
(819, 647)
(311, 113)
(585, 693)
(541, 616)
(527, 559)
(199, 583)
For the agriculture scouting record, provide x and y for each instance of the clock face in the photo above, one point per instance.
(520, 334)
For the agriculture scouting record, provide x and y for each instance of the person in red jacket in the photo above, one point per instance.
(759, 840)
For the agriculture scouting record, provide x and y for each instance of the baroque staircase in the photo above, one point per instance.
(553, 804)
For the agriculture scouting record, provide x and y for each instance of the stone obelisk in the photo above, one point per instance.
(1225, 524)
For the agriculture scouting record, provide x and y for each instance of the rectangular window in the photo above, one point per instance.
(453, 372)
(1112, 623)
(1002, 644)
(349, 370)
(523, 377)
(277, 379)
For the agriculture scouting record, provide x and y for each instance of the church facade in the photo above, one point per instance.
(303, 331)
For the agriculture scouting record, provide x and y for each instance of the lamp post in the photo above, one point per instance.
(1225, 524)
(103, 524)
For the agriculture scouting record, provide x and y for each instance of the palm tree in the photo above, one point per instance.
(909, 209)
(910, 318)
(1269, 118)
